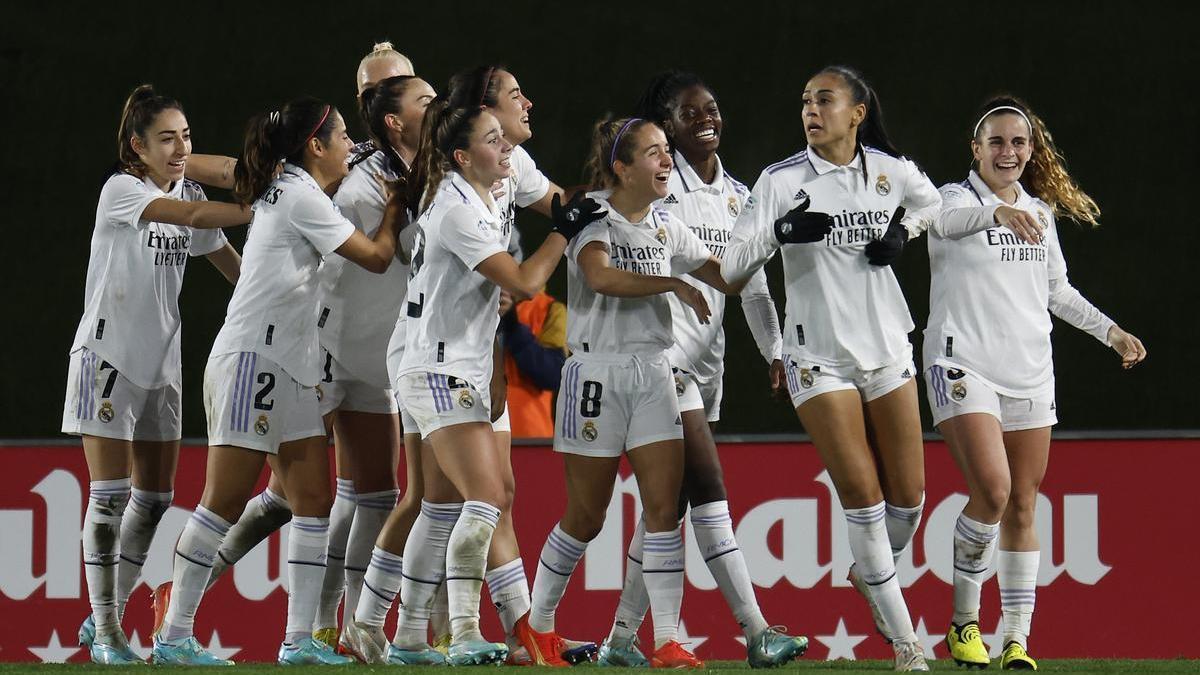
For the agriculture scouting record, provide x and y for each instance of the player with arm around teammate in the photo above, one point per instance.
(836, 213)
(260, 382)
(998, 273)
(702, 195)
(123, 387)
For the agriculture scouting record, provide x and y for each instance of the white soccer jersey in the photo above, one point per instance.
(273, 311)
(524, 186)
(358, 308)
(135, 271)
(709, 211)
(659, 245)
(842, 312)
(990, 292)
(452, 311)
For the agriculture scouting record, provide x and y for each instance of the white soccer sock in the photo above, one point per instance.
(264, 513)
(194, 555)
(341, 514)
(974, 545)
(510, 592)
(713, 528)
(307, 546)
(370, 513)
(559, 556)
(424, 570)
(1017, 572)
(902, 523)
(102, 549)
(635, 601)
(381, 587)
(874, 565)
(466, 560)
(439, 613)
(137, 531)
(662, 568)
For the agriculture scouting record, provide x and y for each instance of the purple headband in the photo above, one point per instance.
(612, 156)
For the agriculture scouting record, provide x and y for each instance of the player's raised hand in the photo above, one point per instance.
(1022, 223)
(569, 219)
(692, 297)
(1130, 348)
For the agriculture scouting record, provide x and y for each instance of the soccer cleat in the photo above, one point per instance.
(477, 653)
(673, 655)
(621, 654)
(114, 650)
(966, 645)
(544, 649)
(1016, 658)
(772, 647)
(310, 652)
(518, 656)
(366, 643)
(184, 653)
(576, 652)
(909, 656)
(87, 632)
(428, 656)
(328, 636)
(160, 601)
(442, 643)
(863, 590)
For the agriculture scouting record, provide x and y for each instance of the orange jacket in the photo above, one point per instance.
(530, 408)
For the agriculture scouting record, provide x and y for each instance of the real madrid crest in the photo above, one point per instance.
(959, 391)
(733, 206)
(589, 432)
(1042, 219)
(105, 413)
(261, 425)
(806, 378)
(661, 236)
(882, 186)
(465, 399)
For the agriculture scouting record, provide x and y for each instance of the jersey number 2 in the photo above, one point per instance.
(260, 399)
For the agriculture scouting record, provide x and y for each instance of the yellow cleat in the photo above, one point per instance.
(1015, 658)
(966, 645)
(442, 644)
(327, 635)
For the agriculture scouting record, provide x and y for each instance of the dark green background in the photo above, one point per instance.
(1115, 82)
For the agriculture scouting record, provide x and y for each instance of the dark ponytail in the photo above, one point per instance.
(872, 131)
(141, 108)
(374, 105)
(445, 128)
(661, 97)
(605, 135)
(479, 86)
(277, 136)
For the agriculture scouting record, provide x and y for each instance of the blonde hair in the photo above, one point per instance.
(1045, 176)
(384, 50)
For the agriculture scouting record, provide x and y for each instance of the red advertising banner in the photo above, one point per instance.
(1103, 588)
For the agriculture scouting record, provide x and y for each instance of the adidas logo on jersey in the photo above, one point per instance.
(801, 196)
(671, 199)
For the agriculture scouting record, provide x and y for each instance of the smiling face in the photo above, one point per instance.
(1002, 149)
(695, 123)
(512, 108)
(830, 114)
(645, 176)
(165, 148)
(330, 156)
(486, 159)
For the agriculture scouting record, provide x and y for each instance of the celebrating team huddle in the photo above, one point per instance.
(366, 305)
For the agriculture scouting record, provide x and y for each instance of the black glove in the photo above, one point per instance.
(578, 213)
(887, 249)
(801, 226)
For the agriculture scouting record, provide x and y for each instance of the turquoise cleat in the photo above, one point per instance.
(427, 656)
(114, 650)
(477, 653)
(87, 632)
(772, 648)
(310, 652)
(184, 653)
(621, 654)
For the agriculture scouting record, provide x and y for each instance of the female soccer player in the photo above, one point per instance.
(459, 265)
(123, 387)
(617, 393)
(847, 357)
(260, 382)
(701, 194)
(989, 366)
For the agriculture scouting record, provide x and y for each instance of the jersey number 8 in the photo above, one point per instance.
(589, 405)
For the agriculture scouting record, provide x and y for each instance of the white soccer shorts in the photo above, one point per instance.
(806, 381)
(436, 400)
(340, 389)
(953, 392)
(102, 402)
(253, 403)
(696, 395)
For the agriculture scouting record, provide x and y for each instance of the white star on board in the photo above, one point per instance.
(692, 642)
(54, 651)
(222, 652)
(995, 641)
(135, 643)
(741, 640)
(841, 644)
(928, 641)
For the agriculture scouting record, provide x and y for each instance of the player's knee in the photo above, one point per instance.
(1020, 510)
(994, 499)
(660, 518)
(312, 500)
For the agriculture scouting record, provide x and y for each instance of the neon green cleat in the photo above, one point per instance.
(327, 635)
(441, 643)
(966, 645)
(1016, 658)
